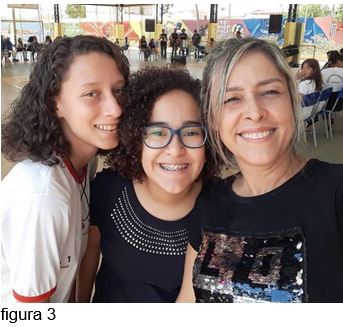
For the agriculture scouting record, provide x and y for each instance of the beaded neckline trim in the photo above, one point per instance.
(143, 236)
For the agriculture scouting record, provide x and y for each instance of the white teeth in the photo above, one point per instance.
(106, 127)
(173, 167)
(256, 136)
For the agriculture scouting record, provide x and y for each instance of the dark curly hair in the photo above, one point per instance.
(32, 129)
(144, 89)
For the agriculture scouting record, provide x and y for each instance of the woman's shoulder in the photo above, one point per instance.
(30, 176)
(39, 182)
(107, 177)
(218, 186)
(329, 172)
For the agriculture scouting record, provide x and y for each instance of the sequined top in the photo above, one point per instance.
(282, 246)
(143, 256)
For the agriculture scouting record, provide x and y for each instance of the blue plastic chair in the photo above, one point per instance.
(328, 113)
(309, 111)
(323, 99)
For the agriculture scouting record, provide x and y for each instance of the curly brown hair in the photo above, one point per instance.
(32, 129)
(144, 89)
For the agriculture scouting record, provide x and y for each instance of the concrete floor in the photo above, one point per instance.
(14, 75)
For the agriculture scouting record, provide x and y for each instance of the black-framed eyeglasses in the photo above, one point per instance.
(159, 136)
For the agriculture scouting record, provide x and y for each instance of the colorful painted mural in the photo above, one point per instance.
(319, 26)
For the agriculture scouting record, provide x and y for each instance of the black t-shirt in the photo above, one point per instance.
(152, 44)
(142, 256)
(183, 36)
(144, 45)
(282, 246)
(163, 38)
(196, 38)
(175, 35)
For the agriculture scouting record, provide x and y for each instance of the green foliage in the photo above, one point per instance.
(314, 10)
(339, 13)
(76, 11)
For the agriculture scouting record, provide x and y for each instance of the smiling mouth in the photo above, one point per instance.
(257, 135)
(174, 167)
(107, 128)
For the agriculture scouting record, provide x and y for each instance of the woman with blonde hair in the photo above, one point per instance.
(273, 231)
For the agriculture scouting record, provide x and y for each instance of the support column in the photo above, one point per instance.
(158, 22)
(118, 28)
(57, 24)
(213, 25)
(293, 34)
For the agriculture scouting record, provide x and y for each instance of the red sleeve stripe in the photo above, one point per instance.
(33, 299)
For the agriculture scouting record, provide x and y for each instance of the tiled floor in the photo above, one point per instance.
(14, 75)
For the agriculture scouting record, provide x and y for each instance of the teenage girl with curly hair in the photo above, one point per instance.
(67, 111)
(141, 205)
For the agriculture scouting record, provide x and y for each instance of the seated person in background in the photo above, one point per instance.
(143, 46)
(238, 34)
(196, 38)
(117, 42)
(152, 47)
(333, 77)
(329, 54)
(10, 48)
(309, 76)
(126, 45)
(48, 40)
(4, 53)
(21, 48)
(34, 46)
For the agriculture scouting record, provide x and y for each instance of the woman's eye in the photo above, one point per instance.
(157, 133)
(191, 133)
(230, 100)
(117, 91)
(91, 94)
(270, 92)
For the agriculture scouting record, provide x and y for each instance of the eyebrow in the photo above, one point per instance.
(120, 83)
(261, 83)
(162, 123)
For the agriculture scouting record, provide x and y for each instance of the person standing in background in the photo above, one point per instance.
(163, 44)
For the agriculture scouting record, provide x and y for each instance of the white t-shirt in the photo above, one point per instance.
(44, 224)
(307, 86)
(333, 77)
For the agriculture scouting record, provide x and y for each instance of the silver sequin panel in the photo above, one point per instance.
(144, 237)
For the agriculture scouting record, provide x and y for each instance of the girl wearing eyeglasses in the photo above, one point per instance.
(141, 203)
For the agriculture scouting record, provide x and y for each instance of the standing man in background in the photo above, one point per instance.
(163, 43)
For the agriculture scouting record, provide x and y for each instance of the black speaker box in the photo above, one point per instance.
(178, 60)
(150, 25)
(275, 24)
(291, 50)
